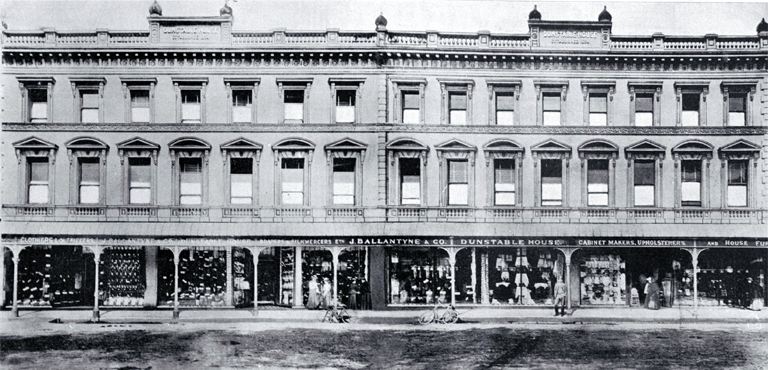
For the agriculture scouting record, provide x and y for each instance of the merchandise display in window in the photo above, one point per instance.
(523, 276)
(165, 270)
(122, 280)
(35, 269)
(287, 257)
(242, 277)
(202, 278)
(353, 272)
(419, 276)
(603, 280)
(318, 262)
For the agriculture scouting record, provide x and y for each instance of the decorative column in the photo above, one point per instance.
(335, 251)
(452, 261)
(15, 308)
(176, 257)
(96, 260)
(16, 250)
(695, 262)
(229, 290)
(2, 275)
(568, 252)
(298, 293)
(485, 296)
(255, 251)
(474, 275)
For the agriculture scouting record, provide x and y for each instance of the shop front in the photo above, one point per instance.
(380, 272)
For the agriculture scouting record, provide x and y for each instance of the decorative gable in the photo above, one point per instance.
(739, 149)
(137, 147)
(551, 149)
(645, 149)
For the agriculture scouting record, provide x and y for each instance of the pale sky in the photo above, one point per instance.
(499, 16)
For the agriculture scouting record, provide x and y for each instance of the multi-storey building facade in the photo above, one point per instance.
(231, 166)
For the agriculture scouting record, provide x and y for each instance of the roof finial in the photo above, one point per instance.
(604, 15)
(381, 22)
(534, 14)
(155, 9)
(762, 26)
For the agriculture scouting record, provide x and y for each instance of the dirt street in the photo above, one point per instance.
(339, 346)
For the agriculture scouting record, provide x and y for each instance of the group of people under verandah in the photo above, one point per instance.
(320, 294)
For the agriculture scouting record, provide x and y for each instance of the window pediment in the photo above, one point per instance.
(455, 145)
(86, 143)
(739, 149)
(645, 149)
(241, 143)
(693, 149)
(33, 143)
(346, 144)
(137, 143)
(294, 144)
(598, 149)
(189, 143)
(406, 144)
(551, 149)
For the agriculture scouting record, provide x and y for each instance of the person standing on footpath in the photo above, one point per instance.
(652, 295)
(326, 299)
(313, 301)
(560, 297)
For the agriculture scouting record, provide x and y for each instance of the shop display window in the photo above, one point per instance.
(353, 282)
(55, 276)
(726, 277)
(242, 277)
(523, 276)
(287, 265)
(419, 276)
(603, 280)
(317, 262)
(122, 280)
(202, 278)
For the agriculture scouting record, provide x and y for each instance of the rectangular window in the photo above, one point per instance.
(139, 186)
(737, 110)
(457, 108)
(691, 183)
(89, 106)
(504, 182)
(458, 183)
(597, 182)
(690, 113)
(140, 106)
(241, 180)
(190, 106)
(598, 109)
(89, 181)
(551, 182)
(38, 105)
(191, 181)
(644, 110)
(241, 106)
(344, 181)
(293, 103)
(411, 107)
(645, 183)
(37, 192)
(293, 181)
(345, 106)
(410, 181)
(737, 183)
(505, 108)
(551, 109)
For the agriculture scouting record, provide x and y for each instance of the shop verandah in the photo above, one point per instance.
(219, 276)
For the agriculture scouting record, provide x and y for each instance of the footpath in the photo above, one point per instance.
(597, 315)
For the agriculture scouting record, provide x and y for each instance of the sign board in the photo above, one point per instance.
(565, 38)
(194, 34)
(409, 241)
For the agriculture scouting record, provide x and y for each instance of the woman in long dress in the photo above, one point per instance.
(326, 293)
(652, 295)
(313, 301)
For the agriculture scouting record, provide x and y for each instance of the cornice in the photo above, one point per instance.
(374, 128)
(379, 58)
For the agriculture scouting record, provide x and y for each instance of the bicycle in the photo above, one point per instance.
(449, 316)
(337, 313)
